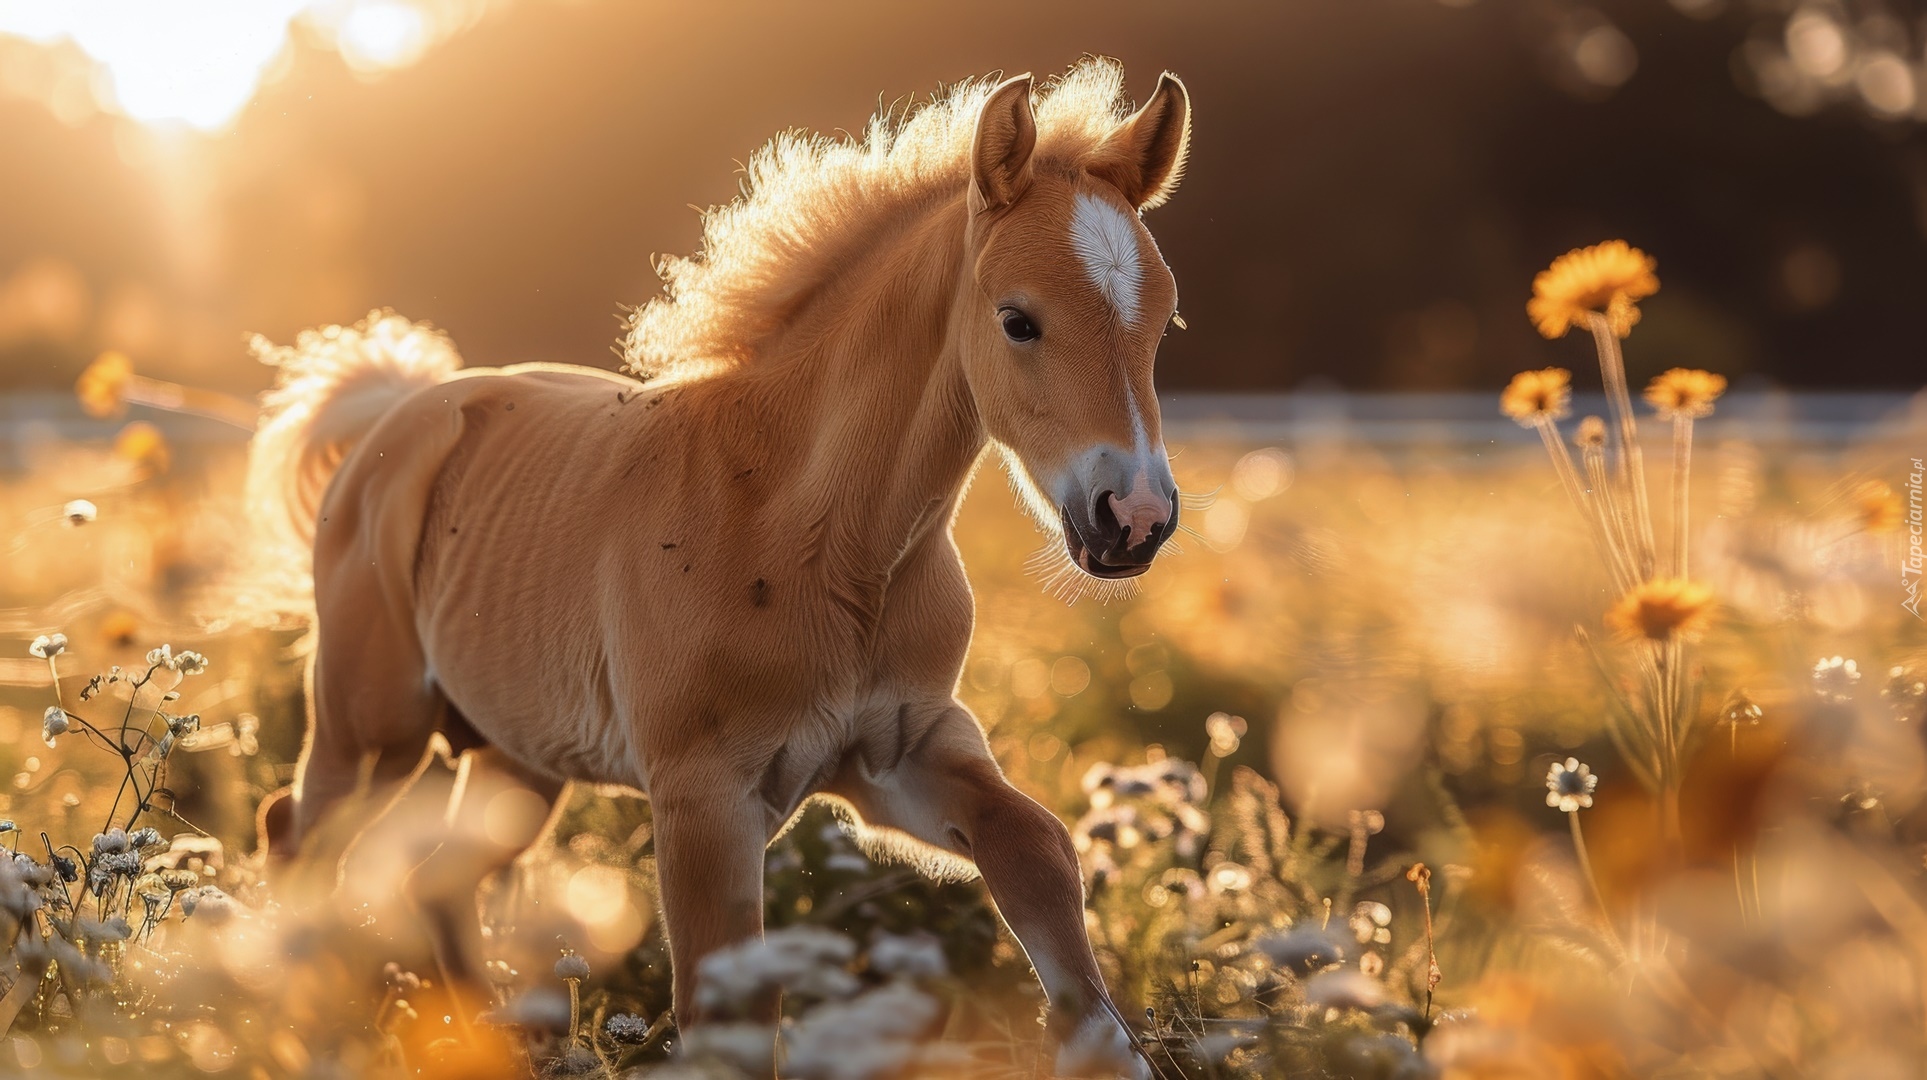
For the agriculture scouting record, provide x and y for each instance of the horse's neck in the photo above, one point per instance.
(884, 426)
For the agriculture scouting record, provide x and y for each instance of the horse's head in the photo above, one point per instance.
(1062, 310)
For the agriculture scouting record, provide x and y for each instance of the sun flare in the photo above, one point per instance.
(198, 65)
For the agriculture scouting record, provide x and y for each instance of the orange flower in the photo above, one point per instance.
(1662, 608)
(1535, 395)
(101, 387)
(142, 444)
(1606, 279)
(119, 629)
(1686, 392)
(1876, 506)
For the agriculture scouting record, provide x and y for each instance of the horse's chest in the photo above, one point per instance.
(864, 735)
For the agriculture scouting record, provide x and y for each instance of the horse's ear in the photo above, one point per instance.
(1000, 152)
(1144, 157)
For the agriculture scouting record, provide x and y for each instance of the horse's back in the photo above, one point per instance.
(405, 469)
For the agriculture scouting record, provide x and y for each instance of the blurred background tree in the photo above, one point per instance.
(1372, 180)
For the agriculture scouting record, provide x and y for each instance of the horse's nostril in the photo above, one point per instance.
(1103, 519)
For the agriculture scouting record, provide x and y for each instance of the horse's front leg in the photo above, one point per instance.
(711, 832)
(949, 792)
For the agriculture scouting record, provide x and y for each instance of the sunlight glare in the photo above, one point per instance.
(382, 35)
(198, 64)
(194, 64)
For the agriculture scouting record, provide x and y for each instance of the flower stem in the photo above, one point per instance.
(1585, 860)
(1669, 822)
(1611, 519)
(575, 1011)
(1592, 883)
(1612, 370)
(1739, 888)
(1682, 475)
(1592, 514)
(174, 397)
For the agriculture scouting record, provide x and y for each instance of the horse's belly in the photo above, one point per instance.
(506, 603)
(548, 735)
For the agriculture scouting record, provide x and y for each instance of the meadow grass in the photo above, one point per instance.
(1316, 769)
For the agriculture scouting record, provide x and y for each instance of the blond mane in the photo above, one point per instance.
(807, 198)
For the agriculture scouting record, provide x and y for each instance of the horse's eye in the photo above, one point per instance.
(1017, 325)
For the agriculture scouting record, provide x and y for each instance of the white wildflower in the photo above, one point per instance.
(212, 905)
(1344, 990)
(1226, 732)
(48, 646)
(80, 512)
(869, 1037)
(804, 960)
(1228, 877)
(1303, 949)
(54, 723)
(908, 956)
(1371, 922)
(1569, 785)
(749, 1047)
(1834, 678)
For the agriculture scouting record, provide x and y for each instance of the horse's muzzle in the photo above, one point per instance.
(1116, 536)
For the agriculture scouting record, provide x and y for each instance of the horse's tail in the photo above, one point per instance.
(331, 387)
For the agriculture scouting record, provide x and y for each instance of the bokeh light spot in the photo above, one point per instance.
(1069, 676)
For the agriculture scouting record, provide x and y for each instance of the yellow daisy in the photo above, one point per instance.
(1607, 278)
(1535, 395)
(101, 386)
(1685, 392)
(1659, 609)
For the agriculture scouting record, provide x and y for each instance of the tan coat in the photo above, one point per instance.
(734, 586)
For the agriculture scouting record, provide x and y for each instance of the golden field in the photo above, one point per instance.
(1308, 764)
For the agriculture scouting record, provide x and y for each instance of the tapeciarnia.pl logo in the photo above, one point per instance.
(1910, 567)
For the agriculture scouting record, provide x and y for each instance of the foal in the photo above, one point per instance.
(732, 585)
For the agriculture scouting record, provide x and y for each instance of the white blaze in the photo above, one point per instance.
(1106, 241)
(1105, 238)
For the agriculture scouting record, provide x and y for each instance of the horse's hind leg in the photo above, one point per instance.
(495, 813)
(372, 712)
